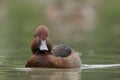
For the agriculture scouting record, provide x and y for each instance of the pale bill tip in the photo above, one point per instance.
(43, 45)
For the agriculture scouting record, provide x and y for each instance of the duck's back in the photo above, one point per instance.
(61, 50)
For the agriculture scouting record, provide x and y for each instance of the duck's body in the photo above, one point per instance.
(44, 55)
(51, 61)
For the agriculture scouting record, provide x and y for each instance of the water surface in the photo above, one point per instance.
(86, 72)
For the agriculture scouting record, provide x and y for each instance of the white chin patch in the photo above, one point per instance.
(43, 45)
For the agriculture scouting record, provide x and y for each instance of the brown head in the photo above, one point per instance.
(40, 42)
(42, 32)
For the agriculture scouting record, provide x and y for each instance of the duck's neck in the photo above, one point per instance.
(41, 52)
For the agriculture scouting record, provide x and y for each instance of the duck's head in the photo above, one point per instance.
(41, 32)
(41, 42)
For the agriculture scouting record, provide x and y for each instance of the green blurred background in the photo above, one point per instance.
(19, 19)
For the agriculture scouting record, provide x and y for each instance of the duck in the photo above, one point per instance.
(47, 55)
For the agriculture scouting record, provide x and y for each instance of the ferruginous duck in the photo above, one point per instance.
(46, 56)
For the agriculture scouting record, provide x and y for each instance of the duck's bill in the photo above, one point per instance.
(43, 46)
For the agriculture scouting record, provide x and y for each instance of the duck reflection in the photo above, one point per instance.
(54, 74)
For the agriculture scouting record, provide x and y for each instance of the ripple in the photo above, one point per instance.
(1, 63)
(23, 69)
(95, 66)
(84, 66)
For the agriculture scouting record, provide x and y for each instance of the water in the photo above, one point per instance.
(12, 68)
(86, 72)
